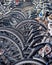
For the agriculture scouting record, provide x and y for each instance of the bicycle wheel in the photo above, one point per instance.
(13, 34)
(34, 61)
(25, 27)
(17, 14)
(10, 51)
(9, 21)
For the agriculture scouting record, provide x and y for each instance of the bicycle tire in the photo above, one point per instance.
(31, 61)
